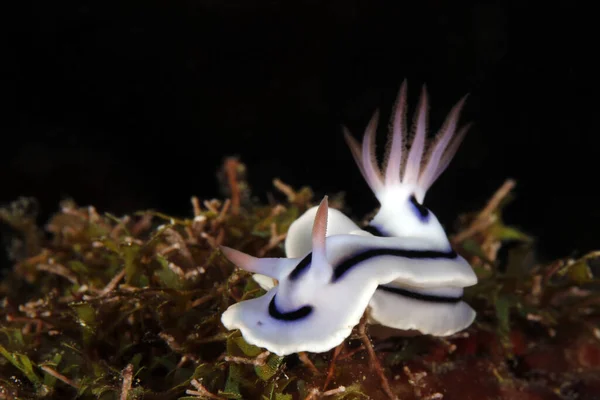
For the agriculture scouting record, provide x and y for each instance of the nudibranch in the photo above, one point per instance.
(322, 295)
(434, 307)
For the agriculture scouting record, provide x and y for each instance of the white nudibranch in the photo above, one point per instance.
(436, 308)
(321, 296)
(401, 268)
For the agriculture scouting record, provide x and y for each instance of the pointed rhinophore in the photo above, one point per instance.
(242, 260)
(319, 233)
(272, 267)
(298, 241)
(390, 308)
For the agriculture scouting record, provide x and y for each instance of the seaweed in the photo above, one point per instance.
(128, 307)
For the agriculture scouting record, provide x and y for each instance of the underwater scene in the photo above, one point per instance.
(298, 201)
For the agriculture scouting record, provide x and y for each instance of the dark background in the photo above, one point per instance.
(134, 104)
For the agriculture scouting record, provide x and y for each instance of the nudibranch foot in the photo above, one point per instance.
(424, 311)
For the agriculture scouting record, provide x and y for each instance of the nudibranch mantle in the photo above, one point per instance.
(317, 302)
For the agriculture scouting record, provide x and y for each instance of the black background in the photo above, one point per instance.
(134, 104)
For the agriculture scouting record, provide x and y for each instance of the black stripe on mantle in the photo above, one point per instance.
(420, 296)
(302, 266)
(289, 316)
(343, 267)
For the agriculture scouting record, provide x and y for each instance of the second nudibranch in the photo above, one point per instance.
(322, 295)
(400, 187)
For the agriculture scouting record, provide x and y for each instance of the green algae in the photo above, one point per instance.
(108, 307)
